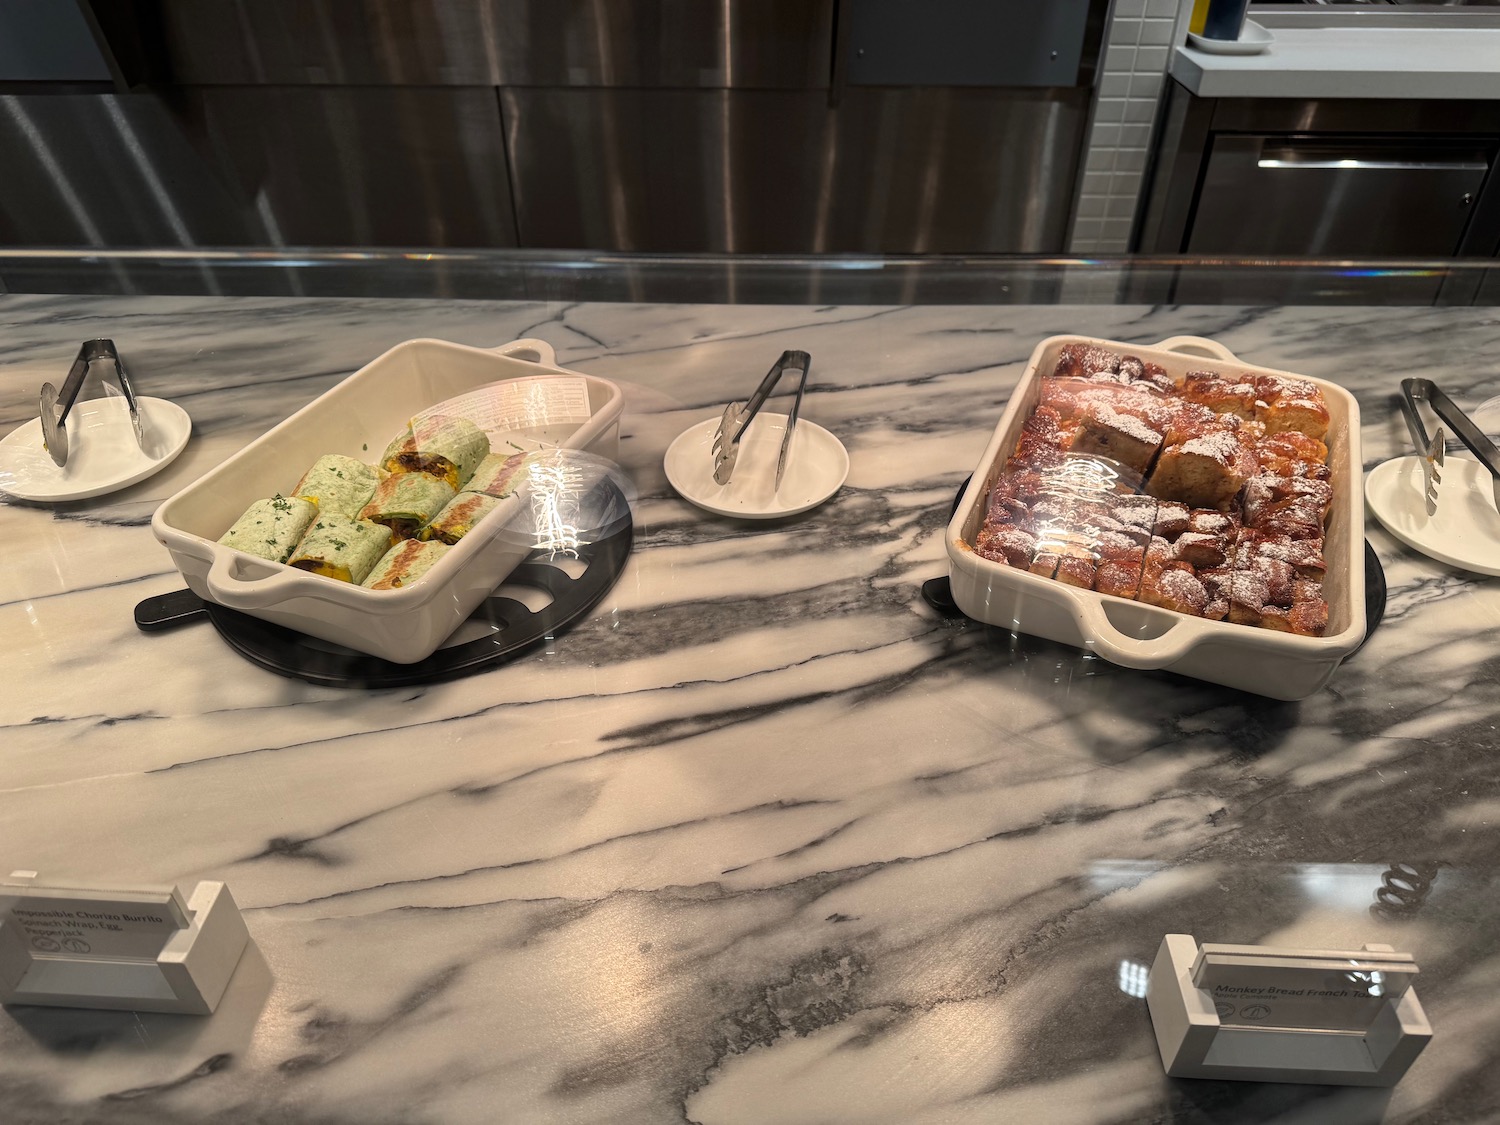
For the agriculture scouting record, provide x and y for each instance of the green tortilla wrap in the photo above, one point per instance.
(339, 486)
(270, 529)
(339, 548)
(459, 517)
(445, 447)
(403, 564)
(406, 502)
(499, 475)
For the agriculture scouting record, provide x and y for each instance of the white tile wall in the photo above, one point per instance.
(1138, 42)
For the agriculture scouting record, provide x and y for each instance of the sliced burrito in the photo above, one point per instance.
(446, 447)
(406, 502)
(338, 485)
(403, 564)
(499, 475)
(459, 517)
(340, 548)
(270, 529)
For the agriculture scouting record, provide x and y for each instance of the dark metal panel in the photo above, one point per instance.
(1176, 167)
(1331, 196)
(107, 170)
(258, 166)
(691, 43)
(894, 171)
(376, 166)
(1352, 115)
(47, 41)
(961, 43)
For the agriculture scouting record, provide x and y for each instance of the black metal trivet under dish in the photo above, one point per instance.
(938, 592)
(515, 628)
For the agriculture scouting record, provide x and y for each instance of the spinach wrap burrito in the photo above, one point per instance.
(459, 517)
(403, 564)
(446, 447)
(499, 475)
(270, 529)
(342, 548)
(338, 485)
(406, 502)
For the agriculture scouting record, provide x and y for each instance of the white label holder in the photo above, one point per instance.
(1375, 1027)
(136, 949)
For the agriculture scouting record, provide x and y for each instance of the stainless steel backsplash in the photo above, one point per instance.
(641, 125)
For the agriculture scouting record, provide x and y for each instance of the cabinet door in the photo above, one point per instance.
(1336, 196)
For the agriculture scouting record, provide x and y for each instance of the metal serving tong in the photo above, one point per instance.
(54, 432)
(1430, 453)
(739, 415)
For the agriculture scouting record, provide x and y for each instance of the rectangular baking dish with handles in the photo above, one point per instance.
(356, 418)
(1136, 635)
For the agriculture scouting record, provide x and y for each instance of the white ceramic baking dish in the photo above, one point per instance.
(357, 418)
(1279, 665)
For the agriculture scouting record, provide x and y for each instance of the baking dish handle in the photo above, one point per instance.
(227, 589)
(1133, 652)
(530, 350)
(1197, 345)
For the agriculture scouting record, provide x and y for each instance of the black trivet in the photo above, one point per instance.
(515, 627)
(938, 592)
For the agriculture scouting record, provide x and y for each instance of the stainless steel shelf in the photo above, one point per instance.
(536, 275)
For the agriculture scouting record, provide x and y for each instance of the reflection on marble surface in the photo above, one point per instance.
(764, 838)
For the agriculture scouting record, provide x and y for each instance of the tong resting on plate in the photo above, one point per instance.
(54, 433)
(738, 416)
(1430, 453)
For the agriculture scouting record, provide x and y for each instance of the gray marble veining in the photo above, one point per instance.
(764, 838)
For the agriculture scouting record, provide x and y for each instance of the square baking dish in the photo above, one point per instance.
(356, 418)
(1136, 635)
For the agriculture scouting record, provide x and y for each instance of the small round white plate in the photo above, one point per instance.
(1464, 533)
(816, 468)
(1253, 40)
(103, 455)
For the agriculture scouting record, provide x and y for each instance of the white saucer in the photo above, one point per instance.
(1466, 530)
(816, 467)
(1253, 40)
(103, 455)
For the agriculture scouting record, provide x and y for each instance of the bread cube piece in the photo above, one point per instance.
(1291, 454)
(1150, 374)
(1175, 587)
(1076, 570)
(1120, 578)
(1222, 396)
(1216, 584)
(1172, 519)
(1305, 556)
(1248, 595)
(1255, 553)
(1189, 420)
(1307, 615)
(1292, 405)
(1307, 619)
(1044, 564)
(1014, 493)
(1205, 472)
(1294, 507)
(1209, 521)
(1037, 450)
(1106, 433)
(1074, 398)
(1006, 543)
(1202, 550)
(1136, 515)
(1085, 361)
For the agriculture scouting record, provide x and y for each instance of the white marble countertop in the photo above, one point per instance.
(1351, 62)
(764, 838)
